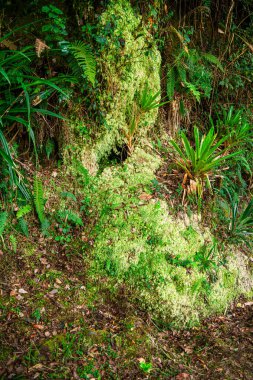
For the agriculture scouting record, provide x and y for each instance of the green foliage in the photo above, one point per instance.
(68, 216)
(23, 211)
(82, 171)
(3, 221)
(206, 258)
(8, 163)
(234, 124)
(49, 147)
(144, 102)
(67, 219)
(23, 226)
(146, 367)
(204, 158)
(193, 89)
(21, 92)
(55, 29)
(241, 225)
(67, 194)
(148, 101)
(85, 58)
(39, 199)
(190, 69)
(13, 242)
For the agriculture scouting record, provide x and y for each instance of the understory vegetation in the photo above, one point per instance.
(126, 135)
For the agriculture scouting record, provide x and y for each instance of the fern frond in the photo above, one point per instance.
(23, 226)
(23, 211)
(195, 92)
(45, 226)
(70, 216)
(212, 59)
(85, 58)
(38, 199)
(3, 221)
(181, 72)
(40, 46)
(67, 194)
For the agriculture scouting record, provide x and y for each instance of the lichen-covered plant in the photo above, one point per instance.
(128, 59)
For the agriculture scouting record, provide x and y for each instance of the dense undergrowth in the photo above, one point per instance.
(126, 158)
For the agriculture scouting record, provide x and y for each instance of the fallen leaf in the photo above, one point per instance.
(43, 261)
(22, 291)
(39, 327)
(188, 350)
(54, 291)
(145, 197)
(182, 376)
(36, 366)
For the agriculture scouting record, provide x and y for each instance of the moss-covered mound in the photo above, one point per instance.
(129, 60)
(173, 270)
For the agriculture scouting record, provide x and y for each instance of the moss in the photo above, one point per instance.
(5, 353)
(128, 60)
(134, 340)
(29, 250)
(139, 244)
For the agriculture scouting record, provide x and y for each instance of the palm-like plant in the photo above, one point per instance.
(144, 102)
(200, 161)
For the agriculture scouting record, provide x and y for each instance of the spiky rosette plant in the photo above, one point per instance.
(203, 159)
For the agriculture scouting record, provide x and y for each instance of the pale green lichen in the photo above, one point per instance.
(127, 62)
(139, 244)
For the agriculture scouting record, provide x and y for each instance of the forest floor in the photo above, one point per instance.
(56, 324)
(52, 327)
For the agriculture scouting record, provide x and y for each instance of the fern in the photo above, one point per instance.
(38, 199)
(67, 194)
(181, 72)
(70, 216)
(85, 58)
(212, 59)
(23, 226)
(195, 92)
(23, 211)
(44, 227)
(3, 221)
